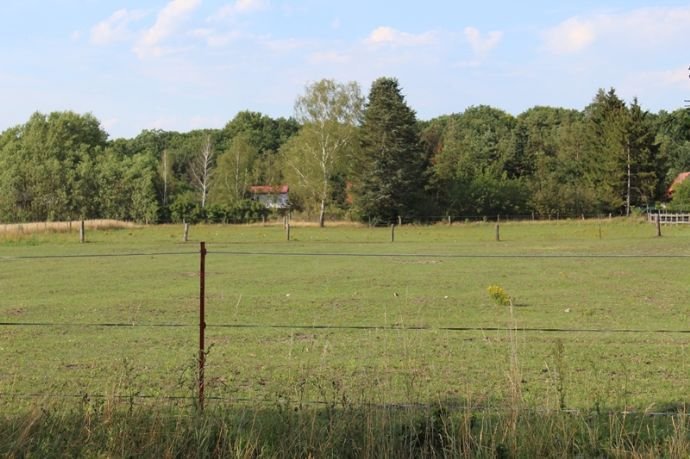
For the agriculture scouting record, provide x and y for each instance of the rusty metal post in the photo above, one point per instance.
(202, 321)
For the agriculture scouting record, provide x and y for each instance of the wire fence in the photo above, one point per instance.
(205, 357)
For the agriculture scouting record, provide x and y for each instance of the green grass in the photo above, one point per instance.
(343, 316)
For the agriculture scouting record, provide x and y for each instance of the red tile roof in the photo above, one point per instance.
(680, 178)
(269, 189)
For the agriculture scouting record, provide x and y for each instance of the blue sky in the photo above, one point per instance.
(187, 64)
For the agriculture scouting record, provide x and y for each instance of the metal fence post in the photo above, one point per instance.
(202, 321)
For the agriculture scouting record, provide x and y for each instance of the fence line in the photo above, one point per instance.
(340, 254)
(440, 255)
(95, 255)
(345, 327)
(669, 218)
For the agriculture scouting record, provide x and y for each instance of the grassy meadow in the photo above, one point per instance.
(341, 318)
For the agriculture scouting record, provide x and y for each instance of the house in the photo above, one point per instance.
(680, 178)
(273, 197)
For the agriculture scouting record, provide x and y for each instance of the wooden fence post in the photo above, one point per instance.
(185, 236)
(392, 232)
(82, 232)
(658, 224)
(287, 231)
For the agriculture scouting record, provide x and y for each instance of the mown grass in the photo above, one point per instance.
(342, 318)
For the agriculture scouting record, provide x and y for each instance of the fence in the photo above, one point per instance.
(317, 259)
(669, 218)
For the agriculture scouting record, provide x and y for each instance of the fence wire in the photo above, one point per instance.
(277, 326)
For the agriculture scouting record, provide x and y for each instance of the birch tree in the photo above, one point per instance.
(201, 170)
(330, 113)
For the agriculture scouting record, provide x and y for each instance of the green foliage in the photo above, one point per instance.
(234, 172)
(611, 157)
(316, 156)
(186, 208)
(681, 197)
(389, 174)
(42, 167)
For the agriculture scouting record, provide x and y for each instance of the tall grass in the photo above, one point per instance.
(108, 428)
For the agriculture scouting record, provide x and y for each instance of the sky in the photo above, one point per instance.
(179, 65)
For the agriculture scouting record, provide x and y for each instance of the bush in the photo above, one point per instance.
(681, 197)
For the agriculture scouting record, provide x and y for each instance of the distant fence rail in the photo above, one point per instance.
(671, 218)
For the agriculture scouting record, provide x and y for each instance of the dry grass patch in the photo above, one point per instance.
(62, 227)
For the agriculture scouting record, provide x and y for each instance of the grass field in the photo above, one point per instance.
(342, 316)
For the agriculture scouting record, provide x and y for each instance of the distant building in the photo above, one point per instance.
(273, 197)
(677, 181)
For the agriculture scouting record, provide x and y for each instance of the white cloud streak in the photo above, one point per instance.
(640, 28)
(482, 45)
(240, 7)
(388, 36)
(115, 28)
(167, 22)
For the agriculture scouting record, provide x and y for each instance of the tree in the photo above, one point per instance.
(330, 113)
(234, 171)
(201, 170)
(40, 166)
(640, 158)
(478, 161)
(621, 152)
(673, 137)
(681, 197)
(390, 171)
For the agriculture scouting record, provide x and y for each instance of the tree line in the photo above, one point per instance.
(349, 156)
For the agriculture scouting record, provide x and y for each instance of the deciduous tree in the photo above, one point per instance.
(330, 113)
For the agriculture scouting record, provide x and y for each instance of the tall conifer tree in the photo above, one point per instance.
(390, 174)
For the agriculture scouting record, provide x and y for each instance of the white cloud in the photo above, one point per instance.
(329, 57)
(115, 28)
(570, 36)
(482, 45)
(241, 7)
(389, 36)
(640, 28)
(283, 45)
(674, 78)
(166, 24)
(216, 39)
